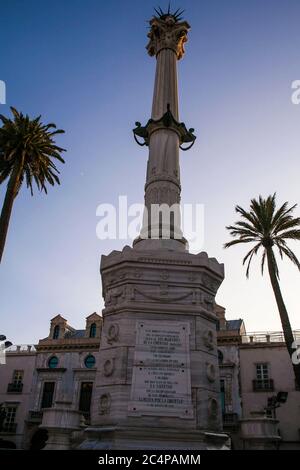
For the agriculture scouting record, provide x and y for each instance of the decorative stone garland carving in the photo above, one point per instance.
(211, 284)
(164, 275)
(209, 301)
(163, 294)
(113, 295)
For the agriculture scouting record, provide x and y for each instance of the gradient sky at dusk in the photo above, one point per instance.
(83, 65)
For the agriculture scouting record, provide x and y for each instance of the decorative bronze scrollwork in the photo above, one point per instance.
(166, 121)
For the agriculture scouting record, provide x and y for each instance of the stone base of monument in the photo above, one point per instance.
(118, 438)
(157, 381)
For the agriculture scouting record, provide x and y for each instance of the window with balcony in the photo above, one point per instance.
(263, 381)
(16, 386)
(10, 425)
(48, 393)
(86, 390)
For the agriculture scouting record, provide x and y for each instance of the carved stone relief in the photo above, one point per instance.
(213, 409)
(112, 335)
(109, 367)
(211, 372)
(208, 339)
(104, 404)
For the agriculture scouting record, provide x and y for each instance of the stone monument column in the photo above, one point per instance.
(164, 135)
(157, 381)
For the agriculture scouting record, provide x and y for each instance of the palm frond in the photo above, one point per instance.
(286, 223)
(291, 255)
(32, 142)
(267, 226)
(283, 211)
(236, 242)
(289, 234)
(249, 257)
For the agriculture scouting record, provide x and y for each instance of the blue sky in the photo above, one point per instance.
(83, 65)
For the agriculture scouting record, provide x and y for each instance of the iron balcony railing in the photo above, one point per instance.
(15, 387)
(35, 416)
(230, 420)
(9, 428)
(263, 385)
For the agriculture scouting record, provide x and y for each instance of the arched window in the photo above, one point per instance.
(90, 361)
(56, 332)
(93, 329)
(53, 362)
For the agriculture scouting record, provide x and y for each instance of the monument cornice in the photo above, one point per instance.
(167, 308)
(130, 255)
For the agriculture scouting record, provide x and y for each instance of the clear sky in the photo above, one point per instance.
(83, 65)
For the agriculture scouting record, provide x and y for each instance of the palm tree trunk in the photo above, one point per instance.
(11, 192)
(285, 322)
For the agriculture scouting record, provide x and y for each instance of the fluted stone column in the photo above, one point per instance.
(166, 86)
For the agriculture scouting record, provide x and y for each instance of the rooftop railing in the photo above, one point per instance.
(268, 337)
(17, 348)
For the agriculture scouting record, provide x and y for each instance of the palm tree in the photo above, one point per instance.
(269, 228)
(27, 151)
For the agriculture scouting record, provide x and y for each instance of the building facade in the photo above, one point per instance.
(16, 393)
(229, 337)
(59, 369)
(266, 371)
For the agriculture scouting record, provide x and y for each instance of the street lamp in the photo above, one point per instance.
(7, 344)
(275, 402)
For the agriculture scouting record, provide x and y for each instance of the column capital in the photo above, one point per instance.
(166, 32)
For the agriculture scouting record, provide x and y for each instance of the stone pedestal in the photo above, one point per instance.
(157, 383)
(260, 432)
(60, 422)
(122, 438)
